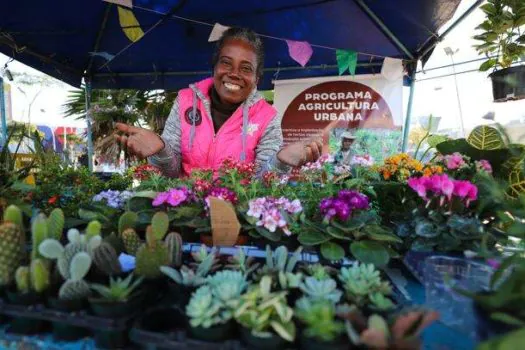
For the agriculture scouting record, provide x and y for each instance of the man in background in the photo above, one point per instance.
(344, 155)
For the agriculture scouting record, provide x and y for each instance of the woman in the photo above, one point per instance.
(221, 117)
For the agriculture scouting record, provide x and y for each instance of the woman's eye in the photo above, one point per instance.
(247, 69)
(226, 63)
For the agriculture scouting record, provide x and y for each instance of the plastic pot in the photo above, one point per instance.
(254, 342)
(508, 84)
(110, 309)
(213, 334)
(179, 295)
(26, 325)
(308, 343)
(62, 330)
(111, 339)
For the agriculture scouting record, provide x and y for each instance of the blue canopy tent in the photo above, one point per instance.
(59, 37)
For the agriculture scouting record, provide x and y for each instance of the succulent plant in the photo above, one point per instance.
(319, 318)
(321, 290)
(227, 287)
(240, 262)
(119, 290)
(116, 242)
(288, 280)
(204, 310)
(32, 278)
(131, 241)
(380, 302)
(75, 287)
(151, 256)
(160, 224)
(173, 242)
(188, 277)
(320, 272)
(362, 280)
(278, 261)
(202, 254)
(94, 228)
(22, 279)
(264, 312)
(126, 221)
(39, 232)
(12, 244)
(106, 259)
(55, 224)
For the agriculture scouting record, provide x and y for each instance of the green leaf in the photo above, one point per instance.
(332, 251)
(489, 9)
(349, 226)
(508, 319)
(509, 341)
(377, 233)
(434, 140)
(337, 233)
(485, 66)
(89, 215)
(272, 236)
(484, 137)
(501, 270)
(311, 237)
(370, 252)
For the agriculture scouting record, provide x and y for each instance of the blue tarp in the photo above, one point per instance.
(56, 37)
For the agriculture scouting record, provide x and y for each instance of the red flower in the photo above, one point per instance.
(144, 171)
(52, 200)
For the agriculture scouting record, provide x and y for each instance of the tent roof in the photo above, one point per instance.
(56, 37)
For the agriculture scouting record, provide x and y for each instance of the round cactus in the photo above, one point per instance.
(131, 241)
(106, 259)
(12, 251)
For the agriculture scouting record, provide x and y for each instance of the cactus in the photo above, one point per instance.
(55, 224)
(39, 275)
(173, 242)
(126, 221)
(106, 259)
(160, 224)
(131, 241)
(150, 257)
(76, 288)
(12, 250)
(22, 279)
(64, 261)
(116, 242)
(93, 229)
(14, 215)
(39, 232)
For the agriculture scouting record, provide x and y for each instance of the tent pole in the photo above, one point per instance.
(409, 112)
(87, 89)
(3, 112)
(384, 28)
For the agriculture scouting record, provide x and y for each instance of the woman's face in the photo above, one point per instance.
(235, 74)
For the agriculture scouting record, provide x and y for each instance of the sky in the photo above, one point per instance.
(435, 97)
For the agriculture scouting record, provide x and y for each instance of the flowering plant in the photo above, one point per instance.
(174, 197)
(145, 171)
(401, 166)
(362, 160)
(221, 193)
(347, 217)
(445, 220)
(113, 199)
(271, 217)
(461, 166)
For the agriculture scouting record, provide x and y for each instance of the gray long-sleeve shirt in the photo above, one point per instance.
(170, 158)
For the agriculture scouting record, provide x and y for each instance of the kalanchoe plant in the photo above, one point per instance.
(347, 218)
(319, 318)
(264, 312)
(271, 217)
(462, 167)
(444, 221)
(119, 290)
(145, 171)
(364, 287)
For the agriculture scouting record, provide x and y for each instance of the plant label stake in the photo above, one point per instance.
(225, 227)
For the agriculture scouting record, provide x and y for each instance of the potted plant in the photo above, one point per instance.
(265, 317)
(503, 42)
(322, 330)
(211, 307)
(119, 299)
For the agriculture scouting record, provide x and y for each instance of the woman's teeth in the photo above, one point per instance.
(232, 87)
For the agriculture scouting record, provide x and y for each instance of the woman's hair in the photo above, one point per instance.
(247, 35)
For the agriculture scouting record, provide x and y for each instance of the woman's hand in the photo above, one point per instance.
(300, 153)
(139, 142)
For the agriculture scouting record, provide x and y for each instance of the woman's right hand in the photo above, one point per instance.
(139, 142)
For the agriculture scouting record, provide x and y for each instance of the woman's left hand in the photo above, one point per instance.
(300, 153)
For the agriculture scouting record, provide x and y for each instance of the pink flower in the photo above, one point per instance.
(161, 198)
(418, 186)
(447, 186)
(484, 165)
(176, 197)
(461, 188)
(454, 161)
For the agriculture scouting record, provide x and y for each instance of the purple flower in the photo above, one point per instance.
(174, 197)
(343, 205)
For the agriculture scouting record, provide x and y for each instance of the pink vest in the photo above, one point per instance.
(208, 150)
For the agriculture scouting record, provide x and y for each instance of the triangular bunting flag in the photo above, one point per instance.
(125, 3)
(346, 59)
(392, 68)
(300, 51)
(216, 32)
(129, 24)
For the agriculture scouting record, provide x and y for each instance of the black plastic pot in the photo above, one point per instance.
(487, 328)
(26, 325)
(160, 328)
(307, 343)
(254, 342)
(508, 84)
(62, 330)
(213, 334)
(112, 309)
(179, 295)
(111, 339)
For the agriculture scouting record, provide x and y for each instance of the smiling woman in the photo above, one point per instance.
(221, 117)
